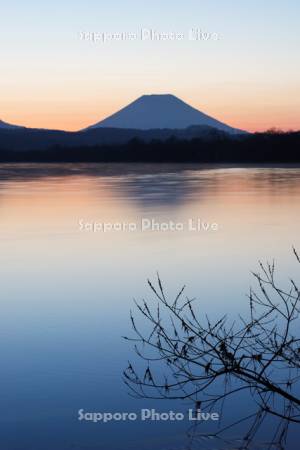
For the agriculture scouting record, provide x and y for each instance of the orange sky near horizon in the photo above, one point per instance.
(256, 114)
(248, 77)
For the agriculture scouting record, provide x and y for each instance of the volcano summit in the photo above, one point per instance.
(158, 112)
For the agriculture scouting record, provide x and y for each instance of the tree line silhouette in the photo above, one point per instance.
(268, 147)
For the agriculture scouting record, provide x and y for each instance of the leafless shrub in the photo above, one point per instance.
(259, 354)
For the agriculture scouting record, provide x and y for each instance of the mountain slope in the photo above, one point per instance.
(158, 112)
(41, 139)
(8, 126)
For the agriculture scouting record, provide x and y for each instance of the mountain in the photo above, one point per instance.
(160, 112)
(149, 118)
(8, 126)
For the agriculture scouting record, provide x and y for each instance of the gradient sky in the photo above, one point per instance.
(249, 78)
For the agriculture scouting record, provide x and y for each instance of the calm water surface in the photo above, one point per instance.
(66, 292)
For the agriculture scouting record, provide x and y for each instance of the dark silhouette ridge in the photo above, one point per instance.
(9, 126)
(212, 148)
(41, 139)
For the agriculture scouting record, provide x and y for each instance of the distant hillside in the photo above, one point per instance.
(8, 126)
(39, 139)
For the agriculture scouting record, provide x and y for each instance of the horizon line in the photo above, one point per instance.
(12, 122)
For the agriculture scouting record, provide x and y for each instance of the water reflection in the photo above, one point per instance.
(148, 185)
(66, 294)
